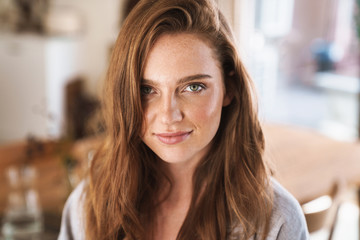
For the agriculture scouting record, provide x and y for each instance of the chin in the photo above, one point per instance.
(173, 157)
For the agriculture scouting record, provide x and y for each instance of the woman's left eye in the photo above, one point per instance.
(194, 87)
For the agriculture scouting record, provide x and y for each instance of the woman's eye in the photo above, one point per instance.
(145, 90)
(194, 88)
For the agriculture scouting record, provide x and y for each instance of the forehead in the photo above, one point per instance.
(180, 54)
(184, 41)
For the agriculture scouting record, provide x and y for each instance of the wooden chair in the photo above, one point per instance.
(321, 213)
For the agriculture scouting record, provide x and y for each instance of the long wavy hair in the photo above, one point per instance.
(124, 178)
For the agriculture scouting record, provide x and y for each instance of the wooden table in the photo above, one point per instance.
(52, 182)
(307, 163)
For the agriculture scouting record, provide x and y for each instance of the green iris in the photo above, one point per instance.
(194, 87)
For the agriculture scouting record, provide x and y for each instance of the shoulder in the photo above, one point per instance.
(72, 220)
(287, 220)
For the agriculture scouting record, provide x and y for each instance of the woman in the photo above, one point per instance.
(183, 158)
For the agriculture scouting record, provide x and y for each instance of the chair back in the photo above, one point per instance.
(321, 213)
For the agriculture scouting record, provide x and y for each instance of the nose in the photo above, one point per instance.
(170, 111)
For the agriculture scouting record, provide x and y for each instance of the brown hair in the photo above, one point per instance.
(124, 177)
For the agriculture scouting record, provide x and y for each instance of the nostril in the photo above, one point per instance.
(170, 109)
(170, 116)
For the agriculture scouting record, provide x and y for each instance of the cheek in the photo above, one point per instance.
(207, 110)
(151, 119)
(145, 123)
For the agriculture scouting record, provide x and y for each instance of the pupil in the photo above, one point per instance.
(146, 90)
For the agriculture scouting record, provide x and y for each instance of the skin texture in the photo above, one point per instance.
(183, 95)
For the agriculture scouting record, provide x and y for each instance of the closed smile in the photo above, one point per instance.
(173, 137)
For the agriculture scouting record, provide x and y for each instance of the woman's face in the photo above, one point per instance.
(182, 96)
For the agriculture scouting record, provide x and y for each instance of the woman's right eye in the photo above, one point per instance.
(146, 90)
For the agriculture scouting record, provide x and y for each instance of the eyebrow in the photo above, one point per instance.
(180, 81)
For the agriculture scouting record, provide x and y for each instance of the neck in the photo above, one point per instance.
(181, 176)
(174, 204)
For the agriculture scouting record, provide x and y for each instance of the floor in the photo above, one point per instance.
(308, 107)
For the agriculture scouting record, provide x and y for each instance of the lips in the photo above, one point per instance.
(174, 137)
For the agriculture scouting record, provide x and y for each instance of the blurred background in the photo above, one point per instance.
(303, 56)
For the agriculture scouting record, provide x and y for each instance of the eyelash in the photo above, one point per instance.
(146, 87)
(200, 85)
